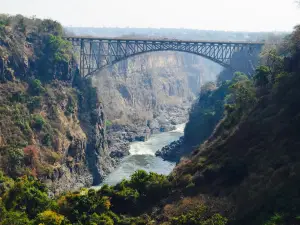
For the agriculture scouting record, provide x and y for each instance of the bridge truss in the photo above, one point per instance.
(97, 53)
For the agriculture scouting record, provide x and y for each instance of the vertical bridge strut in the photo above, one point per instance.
(97, 53)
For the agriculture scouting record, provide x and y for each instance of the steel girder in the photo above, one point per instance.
(97, 53)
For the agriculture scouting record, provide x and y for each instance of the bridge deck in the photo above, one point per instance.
(158, 40)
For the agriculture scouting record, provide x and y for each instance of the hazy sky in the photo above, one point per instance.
(245, 15)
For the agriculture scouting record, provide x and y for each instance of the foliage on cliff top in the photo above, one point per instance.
(33, 47)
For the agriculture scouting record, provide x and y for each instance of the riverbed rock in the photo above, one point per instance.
(173, 151)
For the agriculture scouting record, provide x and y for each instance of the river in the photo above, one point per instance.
(142, 157)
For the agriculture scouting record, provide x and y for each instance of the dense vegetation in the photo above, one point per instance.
(25, 201)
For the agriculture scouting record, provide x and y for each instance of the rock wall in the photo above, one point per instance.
(150, 93)
(92, 120)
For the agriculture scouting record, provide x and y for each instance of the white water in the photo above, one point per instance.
(142, 156)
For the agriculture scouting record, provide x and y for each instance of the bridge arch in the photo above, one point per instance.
(202, 55)
(98, 53)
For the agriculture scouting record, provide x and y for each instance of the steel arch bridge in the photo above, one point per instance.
(96, 53)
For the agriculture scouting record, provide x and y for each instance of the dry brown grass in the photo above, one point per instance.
(183, 206)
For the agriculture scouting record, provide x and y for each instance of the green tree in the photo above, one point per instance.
(243, 93)
(101, 220)
(274, 62)
(16, 218)
(51, 27)
(36, 87)
(261, 76)
(60, 48)
(28, 196)
(49, 217)
(15, 161)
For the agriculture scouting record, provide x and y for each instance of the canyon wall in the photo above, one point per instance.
(150, 93)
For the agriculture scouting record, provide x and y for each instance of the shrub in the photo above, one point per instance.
(31, 155)
(36, 87)
(70, 109)
(47, 140)
(52, 157)
(101, 220)
(50, 218)
(15, 161)
(38, 122)
(18, 97)
(60, 48)
(50, 26)
(34, 103)
(108, 123)
(6, 183)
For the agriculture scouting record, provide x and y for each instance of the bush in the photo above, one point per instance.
(60, 48)
(70, 109)
(15, 161)
(108, 123)
(34, 103)
(6, 183)
(47, 140)
(38, 122)
(18, 97)
(50, 218)
(50, 26)
(36, 87)
(31, 154)
(101, 220)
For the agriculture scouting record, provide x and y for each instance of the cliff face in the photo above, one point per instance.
(150, 93)
(52, 124)
(147, 82)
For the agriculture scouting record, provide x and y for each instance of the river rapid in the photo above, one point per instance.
(142, 157)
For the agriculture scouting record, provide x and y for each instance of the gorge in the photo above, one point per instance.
(162, 138)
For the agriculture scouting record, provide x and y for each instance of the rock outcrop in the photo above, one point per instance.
(173, 151)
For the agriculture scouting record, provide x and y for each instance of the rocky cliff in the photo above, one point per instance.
(150, 93)
(52, 124)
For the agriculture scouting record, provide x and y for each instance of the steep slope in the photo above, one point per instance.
(207, 110)
(252, 158)
(47, 129)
